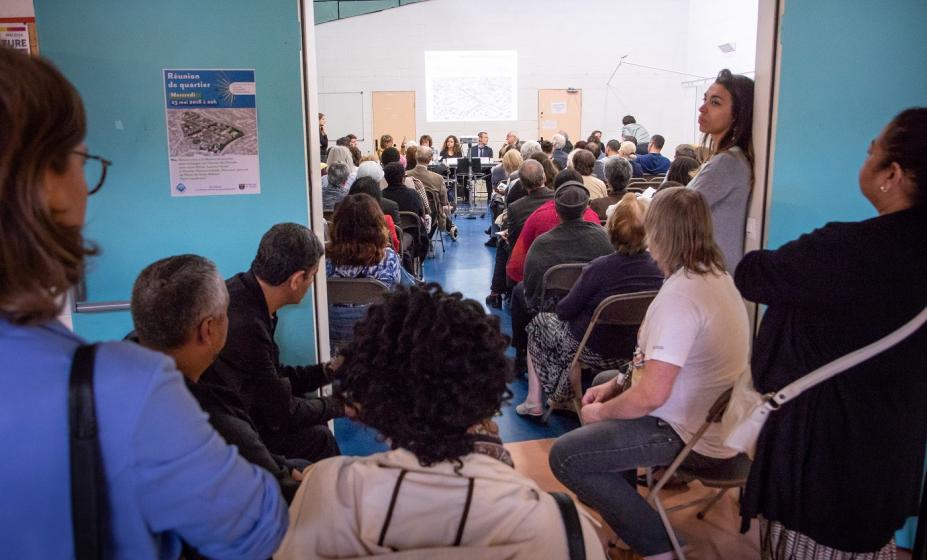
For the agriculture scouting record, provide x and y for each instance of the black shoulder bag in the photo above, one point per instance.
(574, 530)
(88, 486)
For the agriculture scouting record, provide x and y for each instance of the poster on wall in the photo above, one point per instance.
(212, 138)
(14, 34)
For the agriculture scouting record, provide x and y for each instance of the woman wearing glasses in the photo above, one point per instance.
(167, 476)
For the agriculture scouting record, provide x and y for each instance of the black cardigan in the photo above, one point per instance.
(250, 366)
(842, 463)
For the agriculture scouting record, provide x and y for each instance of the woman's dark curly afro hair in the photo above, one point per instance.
(423, 367)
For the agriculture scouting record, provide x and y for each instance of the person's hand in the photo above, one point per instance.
(504, 234)
(592, 413)
(350, 412)
(297, 475)
(600, 393)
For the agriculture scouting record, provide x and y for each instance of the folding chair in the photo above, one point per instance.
(556, 283)
(733, 475)
(626, 310)
(411, 226)
(434, 206)
(355, 291)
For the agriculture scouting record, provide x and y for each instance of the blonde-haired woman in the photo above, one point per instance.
(341, 154)
(692, 345)
(554, 337)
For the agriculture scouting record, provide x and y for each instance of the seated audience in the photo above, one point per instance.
(653, 162)
(386, 142)
(693, 344)
(682, 170)
(511, 141)
(596, 137)
(373, 169)
(529, 148)
(686, 150)
(540, 222)
(341, 154)
(726, 179)
(583, 161)
(531, 176)
(164, 475)
(434, 183)
(410, 152)
(548, 148)
(507, 190)
(447, 488)
(553, 338)
(358, 248)
(839, 468)
(574, 240)
(390, 210)
(560, 154)
(550, 170)
(281, 273)
(596, 149)
(617, 174)
(425, 141)
(610, 150)
(408, 200)
(179, 308)
(627, 151)
(631, 128)
(333, 185)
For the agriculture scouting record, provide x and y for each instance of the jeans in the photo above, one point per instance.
(521, 316)
(599, 463)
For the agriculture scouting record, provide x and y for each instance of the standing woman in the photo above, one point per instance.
(166, 474)
(838, 469)
(726, 179)
(323, 137)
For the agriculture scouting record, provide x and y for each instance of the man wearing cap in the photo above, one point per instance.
(575, 240)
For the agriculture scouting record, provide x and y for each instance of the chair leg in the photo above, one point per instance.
(711, 503)
(666, 523)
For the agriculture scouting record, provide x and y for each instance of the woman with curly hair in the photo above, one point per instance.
(359, 247)
(437, 493)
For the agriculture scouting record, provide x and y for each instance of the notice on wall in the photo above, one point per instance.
(212, 138)
(15, 35)
(558, 107)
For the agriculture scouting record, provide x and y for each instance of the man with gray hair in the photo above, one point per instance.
(529, 148)
(289, 423)
(531, 177)
(179, 308)
(560, 154)
(334, 185)
(617, 176)
(511, 141)
(434, 183)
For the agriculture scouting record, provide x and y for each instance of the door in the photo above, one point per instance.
(394, 114)
(560, 109)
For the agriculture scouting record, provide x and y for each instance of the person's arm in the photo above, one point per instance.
(190, 482)
(800, 272)
(720, 176)
(641, 399)
(580, 294)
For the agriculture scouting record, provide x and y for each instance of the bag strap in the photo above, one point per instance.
(88, 499)
(825, 372)
(574, 530)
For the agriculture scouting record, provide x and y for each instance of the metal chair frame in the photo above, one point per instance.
(435, 206)
(409, 220)
(559, 277)
(355, 291)
(720, 483)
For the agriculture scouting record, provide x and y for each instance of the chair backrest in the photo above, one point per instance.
(355, 291)
(623, 309)
(434, 203)
(557, 282)
(409, 220)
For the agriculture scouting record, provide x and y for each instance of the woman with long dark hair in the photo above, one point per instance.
(163, 474)
(451, 148)
(838, 469)
(358, 247)
(726, 179)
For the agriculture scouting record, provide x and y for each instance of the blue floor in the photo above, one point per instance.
(466, 267)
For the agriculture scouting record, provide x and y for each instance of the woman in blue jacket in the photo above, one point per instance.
(169, 477)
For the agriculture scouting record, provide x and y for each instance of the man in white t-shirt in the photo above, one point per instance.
(692, 346)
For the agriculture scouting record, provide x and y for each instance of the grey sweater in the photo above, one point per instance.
(726, 181)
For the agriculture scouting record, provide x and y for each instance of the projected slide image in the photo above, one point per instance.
(471, 85)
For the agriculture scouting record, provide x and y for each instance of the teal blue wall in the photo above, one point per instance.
(114, 52)
(847, 68)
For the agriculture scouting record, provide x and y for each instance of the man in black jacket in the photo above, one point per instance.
(273, 394)
(179, 308)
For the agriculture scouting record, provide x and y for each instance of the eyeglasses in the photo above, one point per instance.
(95, 175)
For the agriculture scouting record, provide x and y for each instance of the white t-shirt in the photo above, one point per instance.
(699, 323)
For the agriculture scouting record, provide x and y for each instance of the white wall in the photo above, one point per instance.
(16, 8)
(560, 45)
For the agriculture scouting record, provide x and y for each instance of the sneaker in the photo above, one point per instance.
(453, 232)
